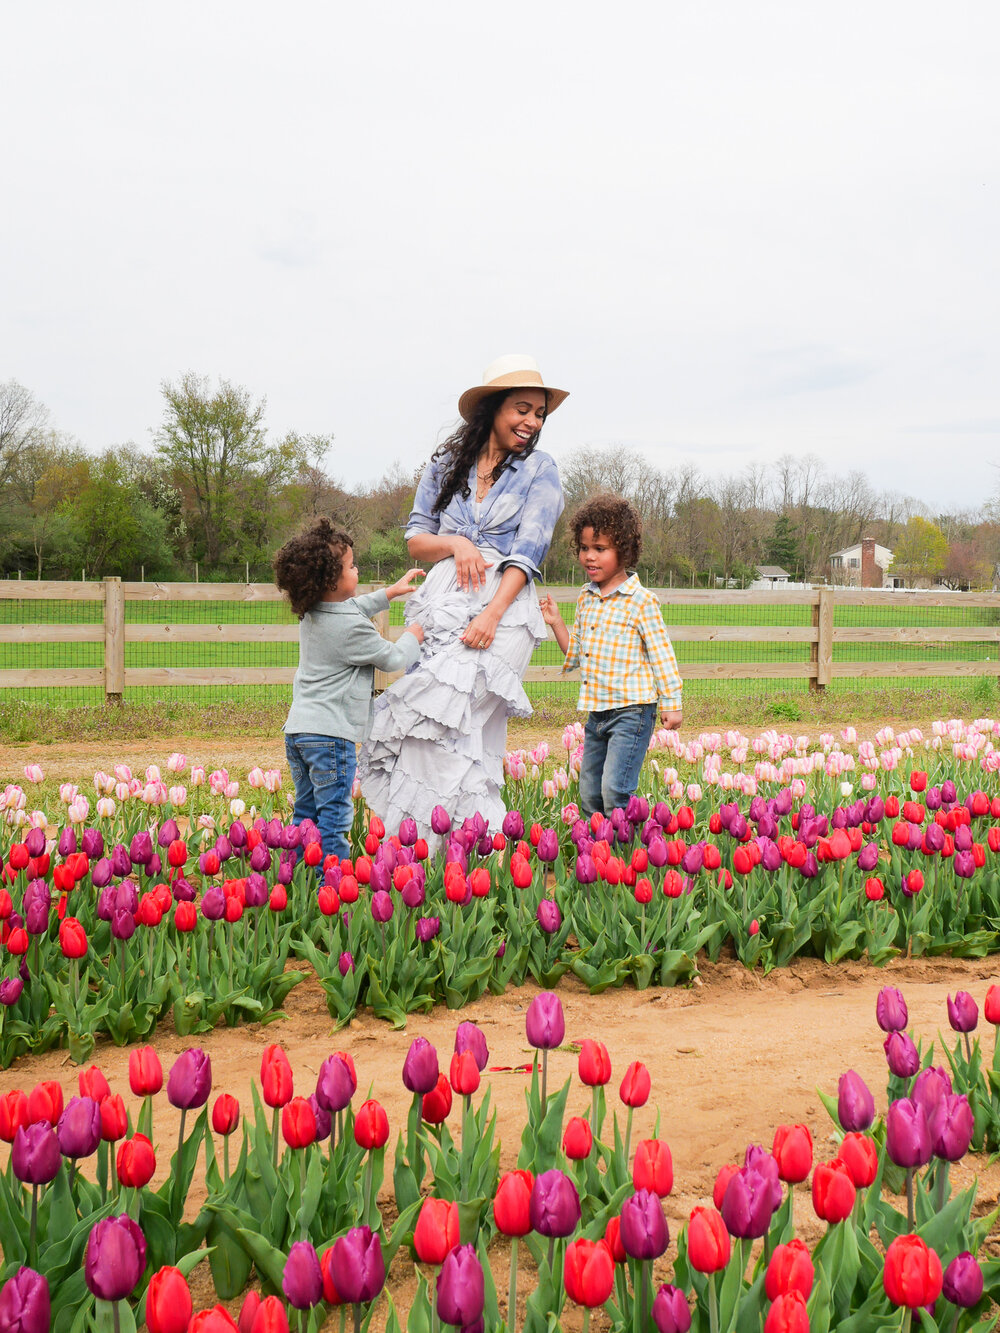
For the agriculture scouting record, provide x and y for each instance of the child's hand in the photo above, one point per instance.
(550, 612)
(402, 587)
(417, 631)
(671, 718)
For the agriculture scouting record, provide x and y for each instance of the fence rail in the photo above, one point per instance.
(817, 641)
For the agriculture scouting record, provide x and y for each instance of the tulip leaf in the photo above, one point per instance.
(270, 1261)
(229, 1260)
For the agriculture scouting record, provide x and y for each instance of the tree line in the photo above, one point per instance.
(217, 495)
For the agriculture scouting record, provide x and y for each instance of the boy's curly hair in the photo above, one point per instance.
(310, 564)
(614, 518)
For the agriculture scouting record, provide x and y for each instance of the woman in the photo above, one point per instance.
(483, 514)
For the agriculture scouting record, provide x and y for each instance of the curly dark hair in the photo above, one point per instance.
(463, 448)
(310, 564)
(612, 517)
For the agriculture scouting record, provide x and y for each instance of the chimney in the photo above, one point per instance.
(871, 575)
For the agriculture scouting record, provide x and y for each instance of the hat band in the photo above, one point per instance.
(517, 379)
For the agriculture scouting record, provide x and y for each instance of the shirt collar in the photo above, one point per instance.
(625, 588)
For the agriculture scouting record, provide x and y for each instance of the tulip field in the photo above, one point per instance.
(166, 911)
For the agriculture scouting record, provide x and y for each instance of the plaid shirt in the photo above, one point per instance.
(623, 649)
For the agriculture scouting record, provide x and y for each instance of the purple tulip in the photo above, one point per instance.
(930, 1085)
(420, 1068)
(868, 857)
(190, 1079)
(907, 1136)
(260, 858)
(302, 1280)
(66, 845)
(663, 816)
(427, 928)
(408, 832)
(116, 1257)
(963, 865)
(184, 891)
(749, 1202)
(285, 871)
(345, 963)
(167, 833)
(358, 1266)
(671, 1313)
(122, 924)
(36, 915)
(932, 798)
(291, 837)
(440, 821)
(324, 1118)
(738, 827)
(548, 845)
(223, 848)
(963, 838)
(549, 916)
(238, 834)
(657, 852)
(121, 864)
(934, 837)
(875, 810)
(855, 1103)
(644, 1232)
(34, 840)
(10, 991)
(414, 892)
(770, 856)
(950, 1125)
(948, 792)
(272, 833)
(460, 1288)
(901, 1054)
(693, 859)
(469, 1037)
(34, 1154)
(336, 1084)
(554, 1207)
(126, 897)
(544, 1022)
(513, 825)
(25, 1305)
(79, 1128)
(585, 869)
(140, 851)
(100, 873)
(963, 1281)
(256, 890)
(891, 1013)
(213, 904)
(963, 1012)
(381, 905)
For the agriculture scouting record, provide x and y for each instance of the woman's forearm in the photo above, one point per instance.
(430, 546)
(512, 580)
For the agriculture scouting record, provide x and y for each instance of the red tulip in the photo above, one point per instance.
(833, 1191)
(216, 1320)
(589, 1272)
(860, 1155)
(145, 1073)
(275, 1076)
(613, 1237)
(45, 1102)
(114, 1121)
(790, 1269)
(595, 1063)
(788, 1314)
(912, 1275)
(168, 1302)
(636, 1084)
(578, 1139)
(722, 1180)
(136, 1162)
(298, 1123)
(13, 1114)
(72, 938)
(436, 1104)
(437, 1231)
(371, 1126)
(464, 1073)
(793, 1151)
(185, 917)
(93, 1084)
(709, 1246)
(653, 1167)
(991, 1006)
(511, 1205)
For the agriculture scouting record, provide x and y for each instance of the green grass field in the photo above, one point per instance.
(35, 655)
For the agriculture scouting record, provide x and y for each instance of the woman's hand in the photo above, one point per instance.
(482, 630)
(404, 586)
(469, 565)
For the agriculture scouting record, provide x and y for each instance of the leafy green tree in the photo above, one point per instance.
(921, 551)
(783, 548)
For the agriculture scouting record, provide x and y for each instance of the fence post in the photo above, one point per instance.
(381, 619)
(114, 640)
(821, 652)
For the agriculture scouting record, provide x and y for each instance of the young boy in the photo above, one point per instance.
(339, 649)
(619, 641)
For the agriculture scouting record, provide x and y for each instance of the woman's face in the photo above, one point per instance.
(518, 420)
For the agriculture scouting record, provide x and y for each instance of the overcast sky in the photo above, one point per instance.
(731, 230)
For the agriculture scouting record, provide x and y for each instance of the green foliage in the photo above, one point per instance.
(921, 551)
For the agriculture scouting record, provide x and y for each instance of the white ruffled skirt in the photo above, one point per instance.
(439, 733)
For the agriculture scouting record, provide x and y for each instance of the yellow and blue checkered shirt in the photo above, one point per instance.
(623, 650)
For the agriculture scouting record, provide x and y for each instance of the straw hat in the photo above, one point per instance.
(509, 372)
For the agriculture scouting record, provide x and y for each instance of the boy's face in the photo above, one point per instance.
(347, 584)
(599, 557)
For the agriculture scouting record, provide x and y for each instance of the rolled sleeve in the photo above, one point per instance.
(542, 506)
(422, 518)
(660, 652)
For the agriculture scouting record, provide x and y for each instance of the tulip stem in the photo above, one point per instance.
(74, 973)
(274, 1139)
(644, 1270)
(545, 1077)
(357, 1317)
(586, 1320)
(225, 1155)
(628, 1136)
(906, 1320)
(512, 1289)
(942, 1184)
(34, 1225)
(368, 1191)
(117, 1316)
(968, 1048)
(909, 1197)
(713, 1305)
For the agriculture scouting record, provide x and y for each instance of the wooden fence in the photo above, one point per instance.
(114, 631)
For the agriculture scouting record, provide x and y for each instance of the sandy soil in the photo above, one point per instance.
(730, 1059)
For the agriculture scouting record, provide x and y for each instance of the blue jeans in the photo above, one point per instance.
(614, 745)
(323, 773)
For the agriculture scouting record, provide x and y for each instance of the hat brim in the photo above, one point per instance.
(471, 399)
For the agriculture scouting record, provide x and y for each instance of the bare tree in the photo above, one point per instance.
(23, 421)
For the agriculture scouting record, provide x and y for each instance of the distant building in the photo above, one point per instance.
(863, 566)
(772, 576)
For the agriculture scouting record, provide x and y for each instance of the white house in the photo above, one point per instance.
(771, 576)
(864, 565)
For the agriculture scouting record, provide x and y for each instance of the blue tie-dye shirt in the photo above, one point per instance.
(516, 519)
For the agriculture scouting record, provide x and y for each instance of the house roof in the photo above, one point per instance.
(772, 572)
(881, 552)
